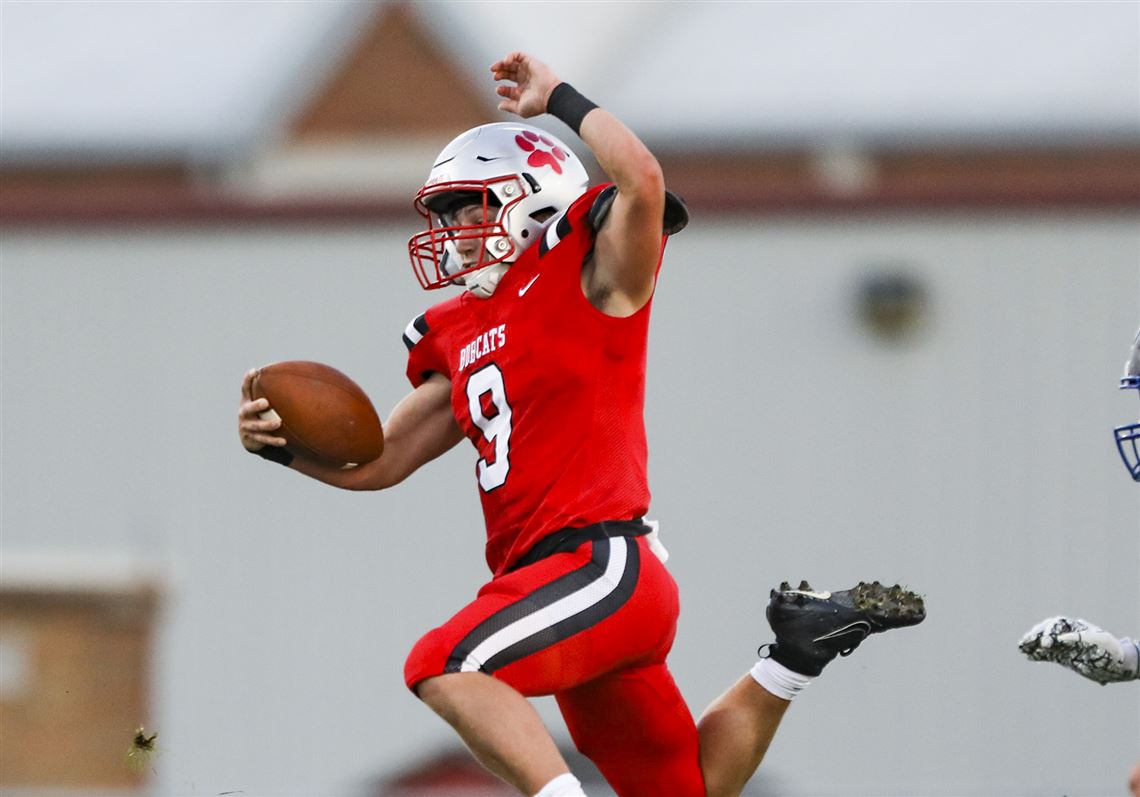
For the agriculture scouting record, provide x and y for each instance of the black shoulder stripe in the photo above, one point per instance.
(676, 214)
(601, 207)
(415, 331)
(554, 233)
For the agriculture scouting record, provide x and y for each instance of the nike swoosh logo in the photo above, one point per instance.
(858, 625)
(526, 287)
(823, 596)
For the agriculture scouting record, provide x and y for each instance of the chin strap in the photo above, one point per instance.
(483, 282)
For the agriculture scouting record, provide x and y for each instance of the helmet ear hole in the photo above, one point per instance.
(542, 215)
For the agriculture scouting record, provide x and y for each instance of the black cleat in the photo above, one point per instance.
(812, 628)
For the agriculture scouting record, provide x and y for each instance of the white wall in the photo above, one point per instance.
(975, 464)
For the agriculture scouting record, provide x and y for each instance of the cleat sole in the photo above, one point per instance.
(888, 607)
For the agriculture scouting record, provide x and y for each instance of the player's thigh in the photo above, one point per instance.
(637, 729)
(560, 622)
(631, 621)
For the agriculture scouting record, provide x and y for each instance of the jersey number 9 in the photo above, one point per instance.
(490, 411)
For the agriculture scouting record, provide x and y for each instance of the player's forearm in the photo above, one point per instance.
(624, 158)
(405, 451)
(373, 475)
(420, 428)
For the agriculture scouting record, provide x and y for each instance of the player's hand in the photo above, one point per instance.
(533, 81)
(1082, 647)
(253, 430)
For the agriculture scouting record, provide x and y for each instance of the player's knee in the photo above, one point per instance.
(436, 691)
(428, 659)
(458, 696)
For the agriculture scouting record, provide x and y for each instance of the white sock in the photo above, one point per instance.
(565, 785)
(778, 679)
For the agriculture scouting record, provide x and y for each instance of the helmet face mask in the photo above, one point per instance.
(435, 252)
(520, 175)
(1128, 436)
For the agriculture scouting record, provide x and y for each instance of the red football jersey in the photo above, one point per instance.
(549, 390)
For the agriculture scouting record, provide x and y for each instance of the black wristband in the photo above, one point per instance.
(274, 454)
(567, 104)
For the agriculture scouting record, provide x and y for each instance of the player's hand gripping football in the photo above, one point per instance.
(533, 81)
(255, 432)
(1083, 648)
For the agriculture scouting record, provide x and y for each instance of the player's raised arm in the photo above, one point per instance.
(619, 278)
(420, 428)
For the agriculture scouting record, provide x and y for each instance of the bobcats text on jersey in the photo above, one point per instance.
(483, 345)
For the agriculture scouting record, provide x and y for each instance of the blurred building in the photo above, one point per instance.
(351, 120)
(76, 674)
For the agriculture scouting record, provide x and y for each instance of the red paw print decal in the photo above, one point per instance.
(529, 141)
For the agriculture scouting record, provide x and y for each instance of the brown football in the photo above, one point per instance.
(325, 416)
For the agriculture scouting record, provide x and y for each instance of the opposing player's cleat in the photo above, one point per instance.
(812, 628)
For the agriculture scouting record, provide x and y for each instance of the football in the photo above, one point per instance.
(325, 416)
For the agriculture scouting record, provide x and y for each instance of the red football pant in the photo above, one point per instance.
(591, 627)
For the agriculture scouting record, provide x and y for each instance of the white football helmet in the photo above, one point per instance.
(519, 174)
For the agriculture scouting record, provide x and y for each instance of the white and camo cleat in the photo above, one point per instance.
(1084, 648)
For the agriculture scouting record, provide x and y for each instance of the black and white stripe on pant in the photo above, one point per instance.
(571, 603)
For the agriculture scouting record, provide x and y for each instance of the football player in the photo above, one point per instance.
(540, 363)
(1079, 645)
